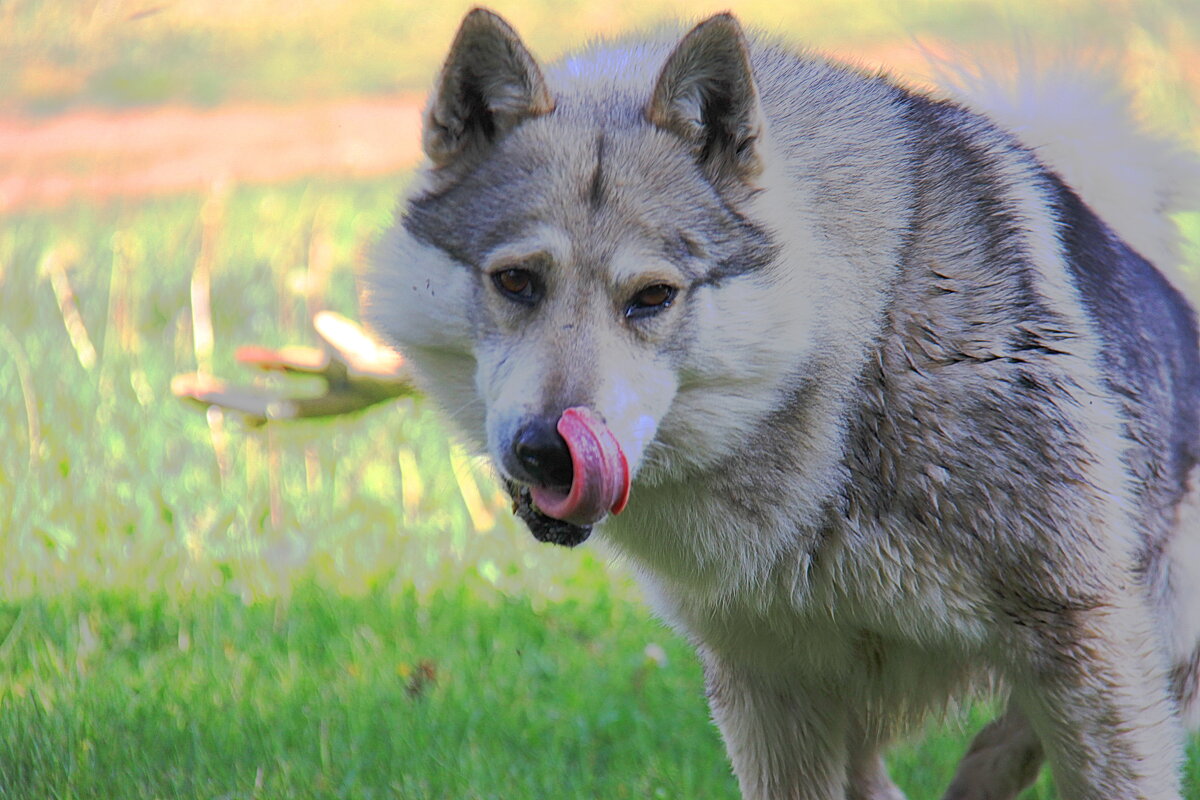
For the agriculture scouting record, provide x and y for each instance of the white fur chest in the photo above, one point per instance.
(785, 594)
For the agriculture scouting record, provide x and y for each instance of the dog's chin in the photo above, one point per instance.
(544, 528)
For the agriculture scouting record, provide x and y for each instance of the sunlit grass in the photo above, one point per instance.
(113, 483)
(140, 52)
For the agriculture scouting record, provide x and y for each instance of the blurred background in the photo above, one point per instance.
(193, 606)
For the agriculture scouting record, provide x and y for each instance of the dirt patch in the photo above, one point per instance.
(101, 155)
(97, 156)
(94, 156)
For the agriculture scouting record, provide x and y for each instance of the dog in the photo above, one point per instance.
(878, 408)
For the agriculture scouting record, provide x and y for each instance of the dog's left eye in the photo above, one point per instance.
(516, 284)
(650, 300)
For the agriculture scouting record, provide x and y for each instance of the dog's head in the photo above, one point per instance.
(573, 275)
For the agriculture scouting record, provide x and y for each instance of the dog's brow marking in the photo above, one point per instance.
(691, 246)
(596, 189)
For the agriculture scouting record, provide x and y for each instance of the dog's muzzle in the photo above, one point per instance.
(577, 474)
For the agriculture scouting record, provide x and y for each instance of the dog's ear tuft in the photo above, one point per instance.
(706, 94)
(488, 85)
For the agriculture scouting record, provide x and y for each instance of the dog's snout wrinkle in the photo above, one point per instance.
(543, 455)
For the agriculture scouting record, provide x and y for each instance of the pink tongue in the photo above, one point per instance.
(601, 473)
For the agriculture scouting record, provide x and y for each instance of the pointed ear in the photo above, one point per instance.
(707, 96)
(488, 85)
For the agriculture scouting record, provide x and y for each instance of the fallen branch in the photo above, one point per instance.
(358, 372)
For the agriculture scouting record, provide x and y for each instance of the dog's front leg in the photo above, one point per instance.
(1093, 684)
(786, 740)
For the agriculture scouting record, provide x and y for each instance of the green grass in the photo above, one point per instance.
(321, 695)
(388, 694)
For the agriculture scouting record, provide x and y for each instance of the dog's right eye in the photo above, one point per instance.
(516, 284)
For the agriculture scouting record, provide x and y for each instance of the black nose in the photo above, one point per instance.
(543, 454)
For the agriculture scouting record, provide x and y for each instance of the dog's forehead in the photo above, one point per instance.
(602, 185)
(596, 175)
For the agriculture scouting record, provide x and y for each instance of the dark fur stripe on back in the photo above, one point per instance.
(1147, 328)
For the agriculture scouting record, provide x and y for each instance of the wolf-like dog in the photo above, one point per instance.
(877, 407)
